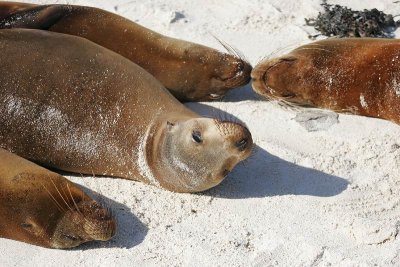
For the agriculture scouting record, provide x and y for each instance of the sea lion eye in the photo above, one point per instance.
(196, 136)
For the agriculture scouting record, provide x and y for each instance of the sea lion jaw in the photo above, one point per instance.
(197, 154)
(86, 221)
(277, 79)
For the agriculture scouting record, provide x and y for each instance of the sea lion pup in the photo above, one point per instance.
(358, 75)
(45, 209)
(192, 72)
(70, 104)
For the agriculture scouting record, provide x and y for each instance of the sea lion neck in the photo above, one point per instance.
(152, 147)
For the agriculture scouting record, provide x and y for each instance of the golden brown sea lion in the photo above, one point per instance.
(358, 75)
(45, 209)
(73, 105)
(190, 71)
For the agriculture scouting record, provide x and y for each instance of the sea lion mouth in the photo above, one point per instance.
(216, 96)
(242, 75)
(225, 172)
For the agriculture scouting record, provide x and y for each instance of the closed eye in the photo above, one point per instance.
(71, 237)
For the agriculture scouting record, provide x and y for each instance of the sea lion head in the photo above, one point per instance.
(207, 74)
(84, 221)
(286, 78)
(196, 154)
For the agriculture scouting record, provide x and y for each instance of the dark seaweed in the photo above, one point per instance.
(341, 21)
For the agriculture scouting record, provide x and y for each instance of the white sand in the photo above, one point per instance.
(320, 198)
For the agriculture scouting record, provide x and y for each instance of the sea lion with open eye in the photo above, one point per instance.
(358, 75)
(45, 209)
(73, 105)
(191, 72)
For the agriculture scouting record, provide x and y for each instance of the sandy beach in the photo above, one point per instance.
(321, 189)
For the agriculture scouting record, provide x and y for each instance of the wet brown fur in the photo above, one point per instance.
(59, 113)
(192, 72)
(45, 209)
(357, 75)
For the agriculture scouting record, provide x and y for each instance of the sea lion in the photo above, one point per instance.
(192, 72)
(70, 104)
(358, 75)
(45, 209)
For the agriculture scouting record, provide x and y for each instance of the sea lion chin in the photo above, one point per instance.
(45, 209)
(357, 75)
(76, 106)
(191, 72)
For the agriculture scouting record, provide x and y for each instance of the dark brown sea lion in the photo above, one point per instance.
(45, 209)
(70, 104)
(358, 75)
(192, 72)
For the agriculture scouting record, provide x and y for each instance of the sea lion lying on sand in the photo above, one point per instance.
(72, 105)
(45, 209)
(191, 72)
(358, 75)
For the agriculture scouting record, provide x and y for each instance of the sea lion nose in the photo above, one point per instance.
(242, 144)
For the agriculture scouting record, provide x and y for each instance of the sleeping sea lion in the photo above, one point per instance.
(45, 209)
(192, 72)
(70, 104)
(358, 75)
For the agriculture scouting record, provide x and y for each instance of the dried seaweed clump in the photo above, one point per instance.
(341, 21)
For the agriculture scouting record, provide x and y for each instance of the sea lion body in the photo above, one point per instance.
(192, 72)
(70, 104)
(45, 209)
(358, 75)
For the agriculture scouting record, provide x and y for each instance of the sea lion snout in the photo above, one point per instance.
(233, 72)
(239, 136)
(269, 77)
(85, 221)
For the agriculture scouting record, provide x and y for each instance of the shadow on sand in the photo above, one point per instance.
(264, 174)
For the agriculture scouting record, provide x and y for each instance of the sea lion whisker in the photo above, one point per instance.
(73, 200)
(66, 196)
(312, 48)
(227, 47)
(237, 52)
(282, 49)
(55, 186)
(52, 197)
(277, 51)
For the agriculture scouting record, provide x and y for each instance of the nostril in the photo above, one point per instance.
(240, 66)
(241, 145)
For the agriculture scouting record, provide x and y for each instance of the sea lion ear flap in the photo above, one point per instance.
(170, 125)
